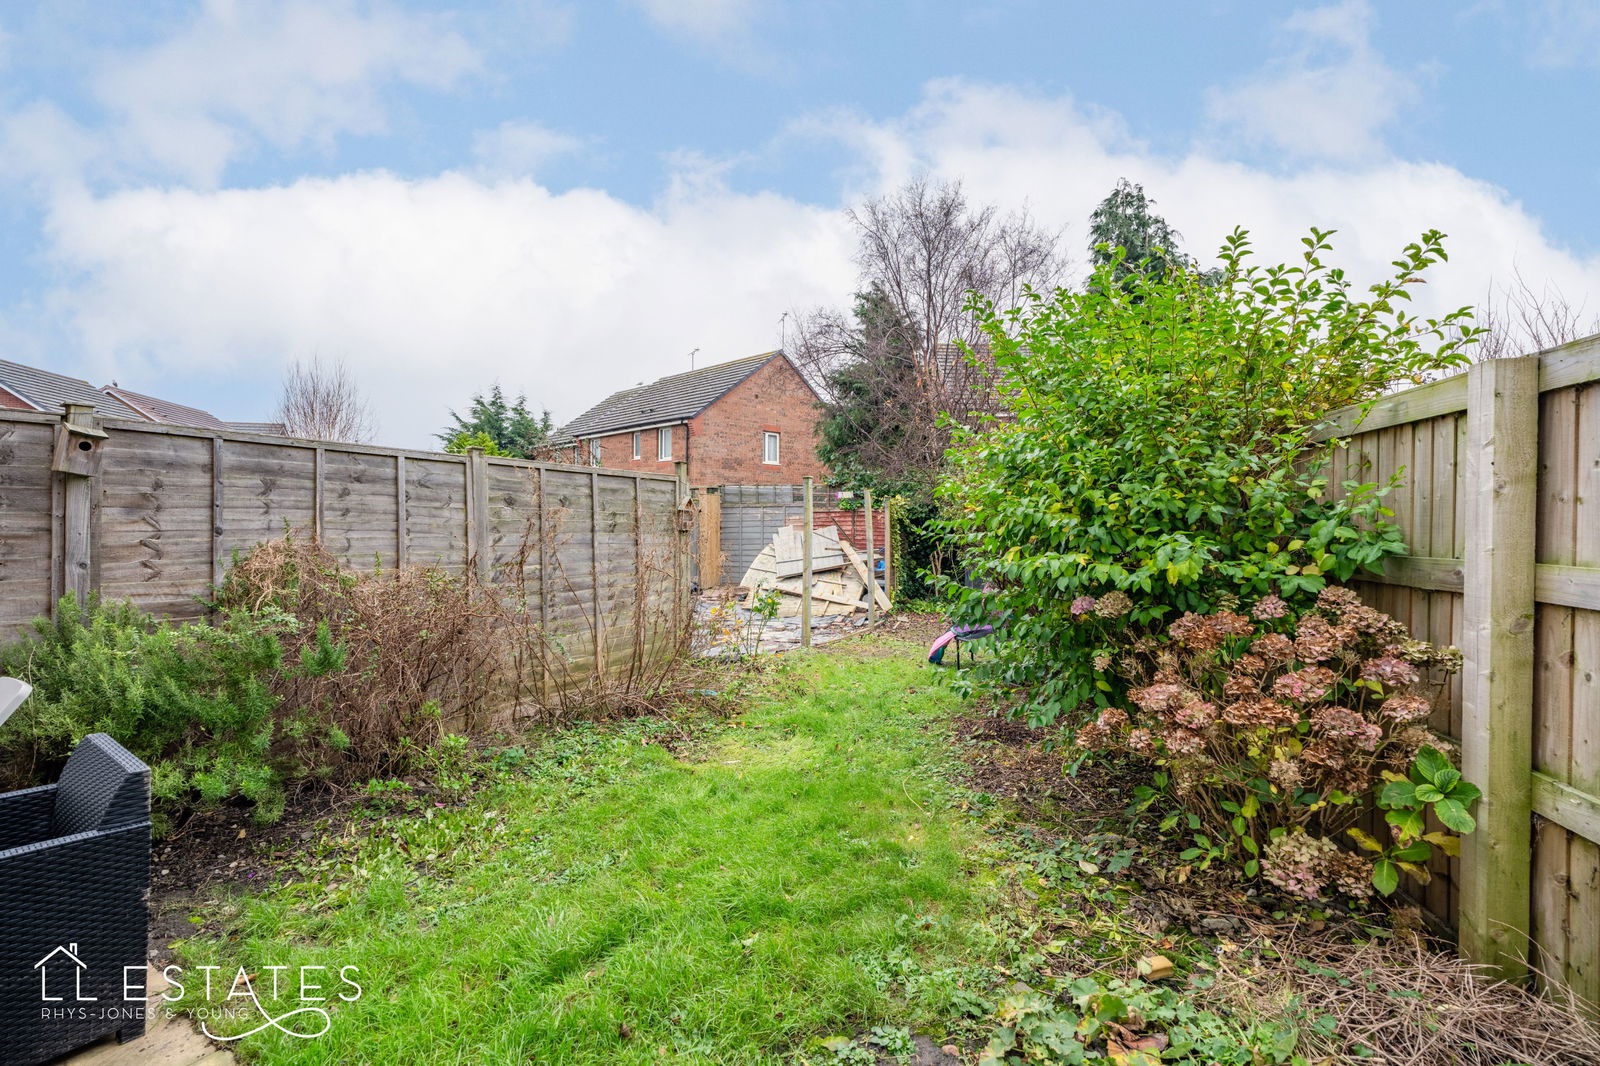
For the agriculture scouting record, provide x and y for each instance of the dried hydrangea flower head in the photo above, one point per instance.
(1269, 607)
(1113, 605)
(1284, 721)
(1306, 685)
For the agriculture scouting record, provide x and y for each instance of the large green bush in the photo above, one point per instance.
(195, 701)
(1154, 444)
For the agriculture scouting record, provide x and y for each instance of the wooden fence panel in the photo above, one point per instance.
(616, 545)
(155, 541)
(1566, 908)
(750, 515)
(1424, 455)
(358, 509)
(436, 513)
(1424, 432)
(267, 490)
(513, 520)
(569, 517)
(28, 582)
(601, 551)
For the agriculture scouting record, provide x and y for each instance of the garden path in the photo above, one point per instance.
(170, 1040)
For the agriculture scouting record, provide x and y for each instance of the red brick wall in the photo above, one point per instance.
(726, 440)
(852, 525)
(13, 402)
(616, 451)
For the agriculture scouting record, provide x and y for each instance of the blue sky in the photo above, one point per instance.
(567, 197)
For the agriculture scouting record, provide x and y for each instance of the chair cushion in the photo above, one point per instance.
(102, 786)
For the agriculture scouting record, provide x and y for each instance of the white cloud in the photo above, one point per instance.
(520, 149)
(1566, 33)
(703, 19)
(290, 74)
(435, 287)
(1330, 97)
(1013, 147)
(43, 146)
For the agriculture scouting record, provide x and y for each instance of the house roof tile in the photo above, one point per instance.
(158, 410)
(671, 399)
(49, 391)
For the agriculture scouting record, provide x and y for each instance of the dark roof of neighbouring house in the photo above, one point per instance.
(671, 399)
(156, 409)
(49, 391)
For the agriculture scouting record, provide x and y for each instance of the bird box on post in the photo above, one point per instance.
(78, 442)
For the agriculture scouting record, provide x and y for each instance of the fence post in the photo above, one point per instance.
(478, 511)
(888, 550)
(1501, 475)
(76, 458)
(317, 464)
(872, 559)
(546, 683)
(683, 523)
(710, 550)
(401, 558)
(805, 571)
(600, 649)
(217, 515)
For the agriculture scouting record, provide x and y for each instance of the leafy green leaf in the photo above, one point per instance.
(1421, 851)
(1454, 816)
(1398, 794)
(1385, 876)
(1430, 762)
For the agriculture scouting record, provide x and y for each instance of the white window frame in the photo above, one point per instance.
(771, 443)
(638, 443)
(664, 444)
(594, 452)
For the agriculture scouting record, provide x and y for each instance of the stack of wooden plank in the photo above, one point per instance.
(839, 577)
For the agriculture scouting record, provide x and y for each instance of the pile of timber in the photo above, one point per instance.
(839, 576)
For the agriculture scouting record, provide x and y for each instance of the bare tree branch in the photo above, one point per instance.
(321, 401)
(902, 351)
(1518, 319)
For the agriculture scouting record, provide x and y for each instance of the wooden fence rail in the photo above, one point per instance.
(166, 509)
(1499, 499)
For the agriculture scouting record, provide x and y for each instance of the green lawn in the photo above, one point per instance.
(606, 901)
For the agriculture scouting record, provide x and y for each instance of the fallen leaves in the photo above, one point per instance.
(1155, 967)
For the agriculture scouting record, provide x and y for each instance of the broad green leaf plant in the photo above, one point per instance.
(1156, 441)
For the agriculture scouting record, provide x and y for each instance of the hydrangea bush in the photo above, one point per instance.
(1271, 729)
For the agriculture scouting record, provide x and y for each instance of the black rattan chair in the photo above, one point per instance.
(74, 881)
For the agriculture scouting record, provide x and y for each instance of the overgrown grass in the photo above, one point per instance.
(806, 883)
(607, 901)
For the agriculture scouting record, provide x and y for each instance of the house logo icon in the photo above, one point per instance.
(60, 960)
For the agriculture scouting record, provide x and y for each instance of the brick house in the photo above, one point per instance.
(751, 421)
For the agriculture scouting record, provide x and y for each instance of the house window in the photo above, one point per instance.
(769, 449)
(664, 443)
(594, 452)
(638, 443)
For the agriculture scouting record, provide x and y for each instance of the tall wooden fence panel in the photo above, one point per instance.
(598, 553)
(1500, 502)
(751, 514)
